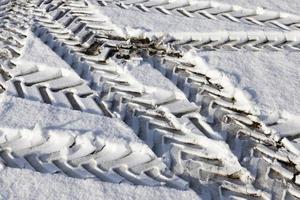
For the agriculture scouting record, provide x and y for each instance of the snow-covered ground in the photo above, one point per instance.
(264, 75)
(91, 109)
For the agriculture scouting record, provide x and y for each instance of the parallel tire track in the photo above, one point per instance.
(27, 84)
(240, 122)
(37, 83)
(177, 135)
(79, 156)
(183, 166)
(185, 135)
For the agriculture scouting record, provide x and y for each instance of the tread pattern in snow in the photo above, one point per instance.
(238, 122)
(212, 10)
(14, 24)
(252, 41)
(112, 97)
(269, 158)
(52, 86)
(85, 156)
(181, 132)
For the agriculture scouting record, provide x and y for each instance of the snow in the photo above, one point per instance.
(285, 123)
(143, 74)
(36, 186)
(290, 6)
(255, 73)
(35, 51)
(243, 101)
(264, 75)
(36, 54)
(20, 113)
(264, 82)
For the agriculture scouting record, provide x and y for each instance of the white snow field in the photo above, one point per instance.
(149, 99)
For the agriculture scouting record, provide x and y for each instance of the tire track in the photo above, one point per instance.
(36, 77)
(15, 20)
(233, 41)
(212, 10)
(55, 87)
(229, 40)
(86, 156)
(36, 83)
(269, 157)
(14, 25)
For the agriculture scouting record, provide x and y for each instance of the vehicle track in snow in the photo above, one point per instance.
(273, 162)
(273, 167)
(14, 18)
(212, 10)
(251, 41)
(53, 87)
(181, 132)
(84, 155)
(15, 21)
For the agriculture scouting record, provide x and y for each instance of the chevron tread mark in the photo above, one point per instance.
(83, 156)
(214, 11)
